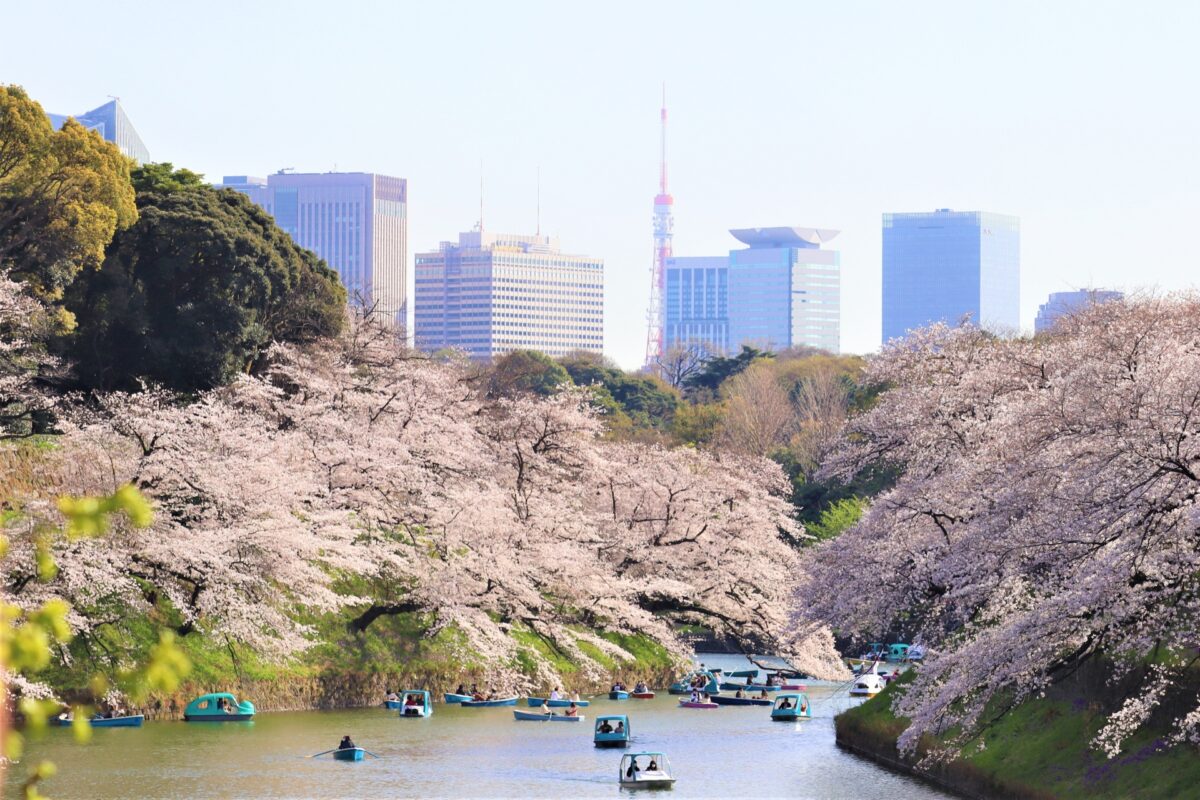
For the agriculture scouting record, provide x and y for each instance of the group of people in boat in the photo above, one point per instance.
(411, 700)
(572, 710)
(607, 727)
(634, 769)
(762, 694)
(619, 687)
(558, 694)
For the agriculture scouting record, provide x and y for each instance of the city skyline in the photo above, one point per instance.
(874, 121)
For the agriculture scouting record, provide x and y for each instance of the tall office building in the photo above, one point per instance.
(1062, 303)
(492, 293)
(356, 221)
(943, 265)
(784, 290)
(696, 303)
(111, 122)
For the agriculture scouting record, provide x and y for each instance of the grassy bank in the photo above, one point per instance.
(347, 669)
(1041, 748)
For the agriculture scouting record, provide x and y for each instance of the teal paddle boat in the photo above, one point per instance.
(131, 721)
(503, 701)
(712, 685)
(646, 771)
(612, 731)
(416, 703)
(791, 706)
(349, 754)
(897, 652)
(560, 702)
(218, 707)
(543, 716)
(451, 697)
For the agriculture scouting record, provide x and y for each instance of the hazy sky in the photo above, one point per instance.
(1081, 118)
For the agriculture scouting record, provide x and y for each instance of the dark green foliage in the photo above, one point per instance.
(163, 177)
(526, 371)
(195, 291)
(719, 369)
(647, 401)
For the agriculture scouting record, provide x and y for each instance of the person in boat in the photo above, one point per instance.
(476, 695)
(547, 710)
(605, 727)
(695, 695)
(762, 695)
(620, 726)
(412, 700)
(556, 695)
(392, 696)
(740, 693)
(786, 704)
(572, 710)
(803, 707)
(460, 689)
(641, 688)
(653, 766)
(491, 693)
(574, 698)
(633, 770)
(473, 689)
(346, 744)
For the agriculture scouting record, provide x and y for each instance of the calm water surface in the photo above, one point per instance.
(465, 752)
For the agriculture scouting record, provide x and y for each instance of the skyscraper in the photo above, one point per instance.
(356, 221)
(943, 265)
(1062, 303)
(111, 122)
(492, 293)
(784, 290)
(696, 303)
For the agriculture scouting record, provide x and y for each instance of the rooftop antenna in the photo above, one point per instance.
(664, 224)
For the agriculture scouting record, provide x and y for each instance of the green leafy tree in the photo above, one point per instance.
(162, 176)
(837, 517)
(196, 291)
(63, 194)
(708, 379)
(526, 371)
(646, 400)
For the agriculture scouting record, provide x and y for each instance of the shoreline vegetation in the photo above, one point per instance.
(1040, 749)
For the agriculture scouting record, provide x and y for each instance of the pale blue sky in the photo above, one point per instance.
(1080, 117)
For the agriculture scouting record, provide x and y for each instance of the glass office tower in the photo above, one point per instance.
(1061, 303)
(784, 290)
(945, 265)
(491, 293)
(696, 303)
(111, 122)
(356, 221)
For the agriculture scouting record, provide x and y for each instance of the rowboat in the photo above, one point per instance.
(532, 716)
(561, 702)
(504, 701)
(647, 695)
(636, 771)
(218, 707)
(617, 694)
(349, 754)
(789, 707)
(392, 704)
(131, 721)
(451, 697)
(733, 686)
(726, 700)
(697, 704)
(612, 731)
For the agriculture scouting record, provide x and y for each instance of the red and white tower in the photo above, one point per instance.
(664, 222)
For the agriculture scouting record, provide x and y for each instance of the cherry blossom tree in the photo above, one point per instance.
(1045, 514)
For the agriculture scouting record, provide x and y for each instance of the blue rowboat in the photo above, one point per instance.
(612, 731)
(726, 700)
(504, 701)
(451, 697)
(132, 721)
(539, 716)
(562, 702)
(218, 707)
(791, 706)
(392, 704)
(618, 695)
(733, 686)
(349, 754)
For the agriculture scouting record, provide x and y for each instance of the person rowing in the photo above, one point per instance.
(347, 743)
(572, 710)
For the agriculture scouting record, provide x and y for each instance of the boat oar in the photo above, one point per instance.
(323, 752)
(368, 752)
